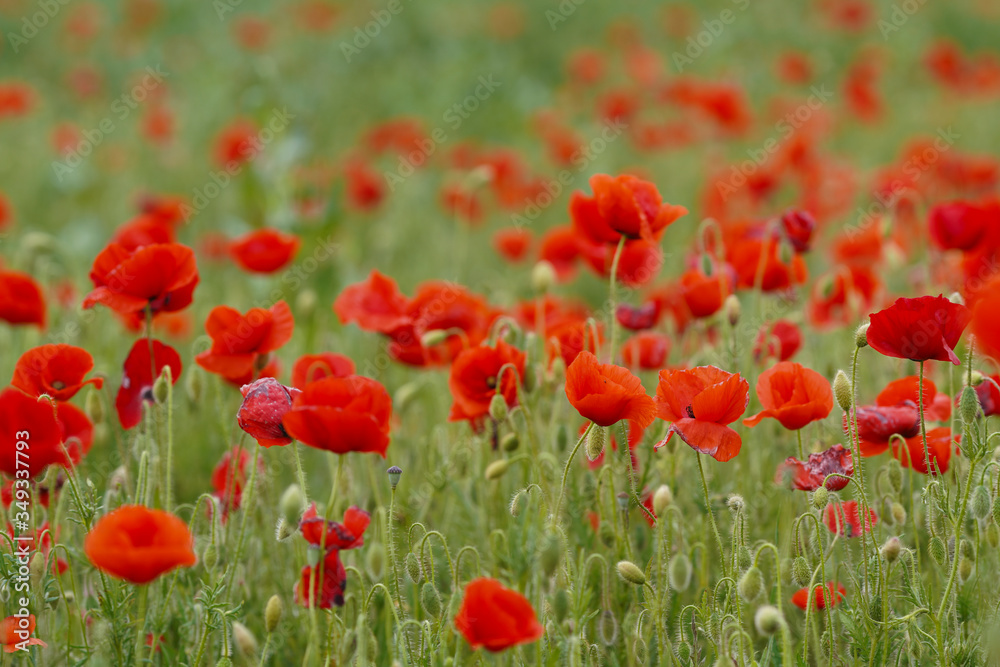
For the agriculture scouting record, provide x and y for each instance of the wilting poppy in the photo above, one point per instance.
(475, 380)
(311, 367)
(341, 415)
(139, 544)
(877, 424)
(265, 403)
(495, 617)
(138, 379)
(21, 300)
(55, 370)
(646, 350)
(242, 344)
(845, 519)
(939, 446)
(780, 340)
(159, 277)
(920, 329)
(15, 633)
(701, 402)
(264, 250)
(326, 591)
(622, 206)
(606, 394)
(348, 534)
(905, 391)
(792, 394)
(48, 433)
(809, 475)
(821, 598)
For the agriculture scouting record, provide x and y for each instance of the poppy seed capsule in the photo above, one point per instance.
(497, 469)
(768, 620)
(843, 390)
(968, 405)
(543, 276)
(751, 584)
(891, 549)
(394, 473)
(596, 441)
(272, 613)
(979, 505)
(631, 573)
(662, 499)
(861, 335)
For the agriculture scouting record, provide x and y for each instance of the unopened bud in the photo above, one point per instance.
(596, 441)
(543, 276)
(662, 499)
(679, 572)
(517, 503)
(898, 514)
(293, 503)
(820, 498)
(768, 620)
(194, 384)
(732, 308)
(844, 391)
(36, 569)
(895, 471)
(375, 560)
(210, 557)
(272, 613)
(743, 558)
(405, 395)
(965, 567)
(94, 407)
(891, 549)
(800, 571)
(861, 335)
(497, 469)
(751, 584)
(161, 388)
(498, 407)
(430, 599)
(607, 628)
(631, 573)
(977, 378)
(434, 337)
(224, 661)
(968, 405)
(510, 442)
(246, 643)
(305, 304)
(993, 535)
(412, 564)
(562, 438)
(996, 511)
(549, 555)
(937, 551)
(560, 605)
(979, 504)
(394, 473)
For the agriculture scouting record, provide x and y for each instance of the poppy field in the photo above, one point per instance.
(499, 333)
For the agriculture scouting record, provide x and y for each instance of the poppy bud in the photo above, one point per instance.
(596, 440)
(560, 605)
(305, 303)
(375, 560)
(246, 643)
(965, 566)
(292, 504)
(977, 378)
(430, 600)
(94, 407)
(768, 620)
(404, 395)
(161, 387)
(891, 549)
(800, 571)
(498, 408)
(965, 549)
(557, 371)
(210, 557)
(861, 335)
(284, 531)
(607, 534)
(272, 613)
(510, 442)
(993, 535)
(413, 570)
(936, 548)
(434, 337)
(530, 378)
(844, 391)
(968, 405)
(662, 499)
(679, 572)
(394, 473)
(751, 584)
(224, 661)
(684, 652)
(820, 498)
(631, 573)
(896, 475)
(639, 651)
(786, 253)
(36, 569)
(785, 571)
(898, 514)
(996, 511)
(517, 503)
(732, 309)
(979, 505)
(543, 276)
(608, 628)
(743, 558)
(549, 555)
(194, 384)
(497, 469)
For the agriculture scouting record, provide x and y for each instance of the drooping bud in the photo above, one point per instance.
(768, 620)
(497, 469)
(94, 407)
(820, 498)
(412, 564)
(937, 551)
(560, 605)
(498, 408)
(800, 571)
(375, 560)
(562, 438)
(965, 567)
(394, 473)
(977, 378)
(898, 514)
(607, 534)
(608, 628)
(732, 309)
(510, 442)
(305, 303)
(979, 504)
(596, 441)
(210, 557)
(891, 549)
(751, 584)
(968, 405)
(293, 504)
(272, 613)
(161, 388)
(662, 499)
(743, 558)
(430, 600)
(735, 503)
(993, 535)
(843, 390)
(285, 531)
(861, 335)
(679, 572)
(246, 643)
(517, 503)
(434, 337)
(194, 384)
(631, 573)
(36, 569)
(996, 511)
(543, 277)
(895, 475)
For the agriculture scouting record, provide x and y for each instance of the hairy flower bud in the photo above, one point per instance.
(751, 584)
(898, 514)
(543, 276)
(498, 408)
(272, 613)
(430, 599)
(979, 504)
(820, 498)
(679, 571)
(412, 565)
(731, 307)
(662, 499)
(596, 441)
(293, 504)
(800, 571)
(891, 549)
(631, 573)
(968, 405)
(844, 391)
(768, 620)
(861, 335)
(497, 469)
(895, 472)
(510, 442)
(937, 551)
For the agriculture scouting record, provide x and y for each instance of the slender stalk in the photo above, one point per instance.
(954, 565)
(631, 474)
(711, 519)
(612, 299)
(168, 492)
(140, 623)
(923, 422)
(300, 473)
(802, 456)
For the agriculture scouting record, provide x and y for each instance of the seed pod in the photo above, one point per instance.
(768, 620)
(936, 549)
(510, 442)
(979, 504)
(800, 572)
(596, 441)
(549, 555)
(412, 565)
(751, 584)
(272, 613)
(608, 628)
(891, 549)
(861, 335)
(498, 407)
(679, 572)
(560, 605)
(430, 600)
(662, 499)
(631, 572)
(968, 405)
(844, 391)
(898, 514)
(820, 498)
(394, 473)
(497, 469)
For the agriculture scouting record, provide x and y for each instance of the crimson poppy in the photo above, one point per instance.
(792, 394)
(560, 247)
(138, 378)
(986, 320)
(959, 225)
(920, 329)
(622, 206)
(845, 519)
(55, 370)
(375, 304)
(638, 318)
(159, 277)
(348, 534)
(495, 617)
(52, 435)
(21, 300)
(810, 474)
(877, 424)
(311, 367)
(513, 243)
(779, 340)
(229, 477)
(15, 633)
(646, 350)
(798, 227)
(322, 586)
(939, 445)
(701, 402)
(242, 344)
(143, 230)
(264, 250)
(705, 293)
(341, 415)
(474, 381)
(821, 598)
(139, 544)
(988, 393)
(606, 394)
(265, 403)
(906, 391)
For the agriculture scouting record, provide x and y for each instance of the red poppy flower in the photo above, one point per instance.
(341, 415)
(364, 186)
(49, 433)
(264, 250)
(242, 344)
(474, 381)
(496, 617)
(311, 367)
(560, 247)
(756, 265)
(569, 337)
(21, 300)
(877, 425)
(798, 227)
(845, 519)
(646, 351)
(959, 225)
(821, 598)
(780, 340)
(939, 446)
(701, 402)
(139, 544)
(138, 379)
(15, 632)
(920, 329)
(792, 394)
(639, 263)
(339, 536)
(906, 391)
(55, 370)
(606, 394)
(512, 243)
(326, 591)
(234, 145)
(229, 477)
(622, 206)
(809, 475)
(985, 321)
(265, 403)
(375, 304)
(704, 294)
(989, 395)
(160, 277)
(638, 318)
(143, 230)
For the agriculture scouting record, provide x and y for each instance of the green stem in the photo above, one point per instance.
(140, 623)
(612, 299)
(711, 519)
(954, 564)
(802, 456)
(569, 461)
